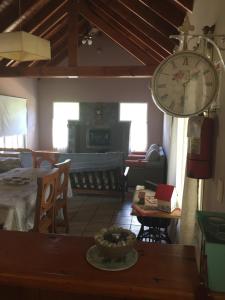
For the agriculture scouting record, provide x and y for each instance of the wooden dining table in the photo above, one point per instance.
(18, 197)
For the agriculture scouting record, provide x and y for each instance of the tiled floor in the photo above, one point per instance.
(88, 214)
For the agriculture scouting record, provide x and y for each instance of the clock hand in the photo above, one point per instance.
(187, 77)
(194, 75)
(185, 84)
(183, 97)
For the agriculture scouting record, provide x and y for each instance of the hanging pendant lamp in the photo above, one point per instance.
(23, 46)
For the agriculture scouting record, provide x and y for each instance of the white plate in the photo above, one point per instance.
(101, 263)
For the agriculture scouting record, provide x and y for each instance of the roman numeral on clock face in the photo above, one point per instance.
(197, 62)
(173, 64)
(185, 62)
(172, 105)
(162, 85)
(206, 72)
(164, 97)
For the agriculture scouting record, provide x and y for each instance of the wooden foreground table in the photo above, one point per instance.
(38, 266)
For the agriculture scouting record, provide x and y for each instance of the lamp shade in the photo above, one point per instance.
(23, 46)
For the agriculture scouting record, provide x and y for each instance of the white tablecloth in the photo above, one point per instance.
(17, 202)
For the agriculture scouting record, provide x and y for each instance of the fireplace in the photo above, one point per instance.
(98, 138)
(98, 130)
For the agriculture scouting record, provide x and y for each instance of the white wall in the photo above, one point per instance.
(107, 53)
(211, 186)
(169, 145)
(95, 90)
(24, 88)
(104, 52)
(208, 12)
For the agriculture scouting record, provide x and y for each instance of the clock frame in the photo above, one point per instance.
(185, 84)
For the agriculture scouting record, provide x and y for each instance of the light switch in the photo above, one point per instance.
(219, 191)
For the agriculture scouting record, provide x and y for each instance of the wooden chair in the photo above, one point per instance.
(61, 197)
(46, 196)
(44, 158)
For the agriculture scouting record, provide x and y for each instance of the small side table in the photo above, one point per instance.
(156, 231)
(157, 221)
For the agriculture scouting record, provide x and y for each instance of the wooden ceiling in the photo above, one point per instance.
(141, 27)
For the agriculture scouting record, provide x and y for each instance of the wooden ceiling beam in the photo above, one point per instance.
(166, 10)
(81, 71)
(186, 5)
(120, 39)
(72, 33)
(5, 4)
(160, 42)
(60, 51)
(59, 36)
(131, 31)
(4, 62)
(149, 17)
(11, 13)
(145, 32)
(54, 28)
(59, 44)
(58, 57)
(43, 19)
(48, 29)
(27, 15)
(123, 27)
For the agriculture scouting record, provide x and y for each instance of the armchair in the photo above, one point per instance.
(145, 165)
(137, 155)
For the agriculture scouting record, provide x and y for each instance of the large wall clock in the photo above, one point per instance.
(184, 84)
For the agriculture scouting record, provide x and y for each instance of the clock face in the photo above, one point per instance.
(184, 84)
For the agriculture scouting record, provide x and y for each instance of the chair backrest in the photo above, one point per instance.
(44, 158)
(64, 168)
(46, 194)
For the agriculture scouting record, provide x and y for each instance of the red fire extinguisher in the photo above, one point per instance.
(200, 147)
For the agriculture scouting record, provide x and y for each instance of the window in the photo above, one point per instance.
(13, 141)
(137, 114)
(62, 112)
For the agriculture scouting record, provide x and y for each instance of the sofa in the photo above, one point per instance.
(92, 173)
(147, 166)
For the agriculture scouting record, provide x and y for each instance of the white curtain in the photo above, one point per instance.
(13, 113)
(62, 112)
(172, 154)
(189, 207)
(187, 188)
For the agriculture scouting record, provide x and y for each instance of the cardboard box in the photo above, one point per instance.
(166, 197)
